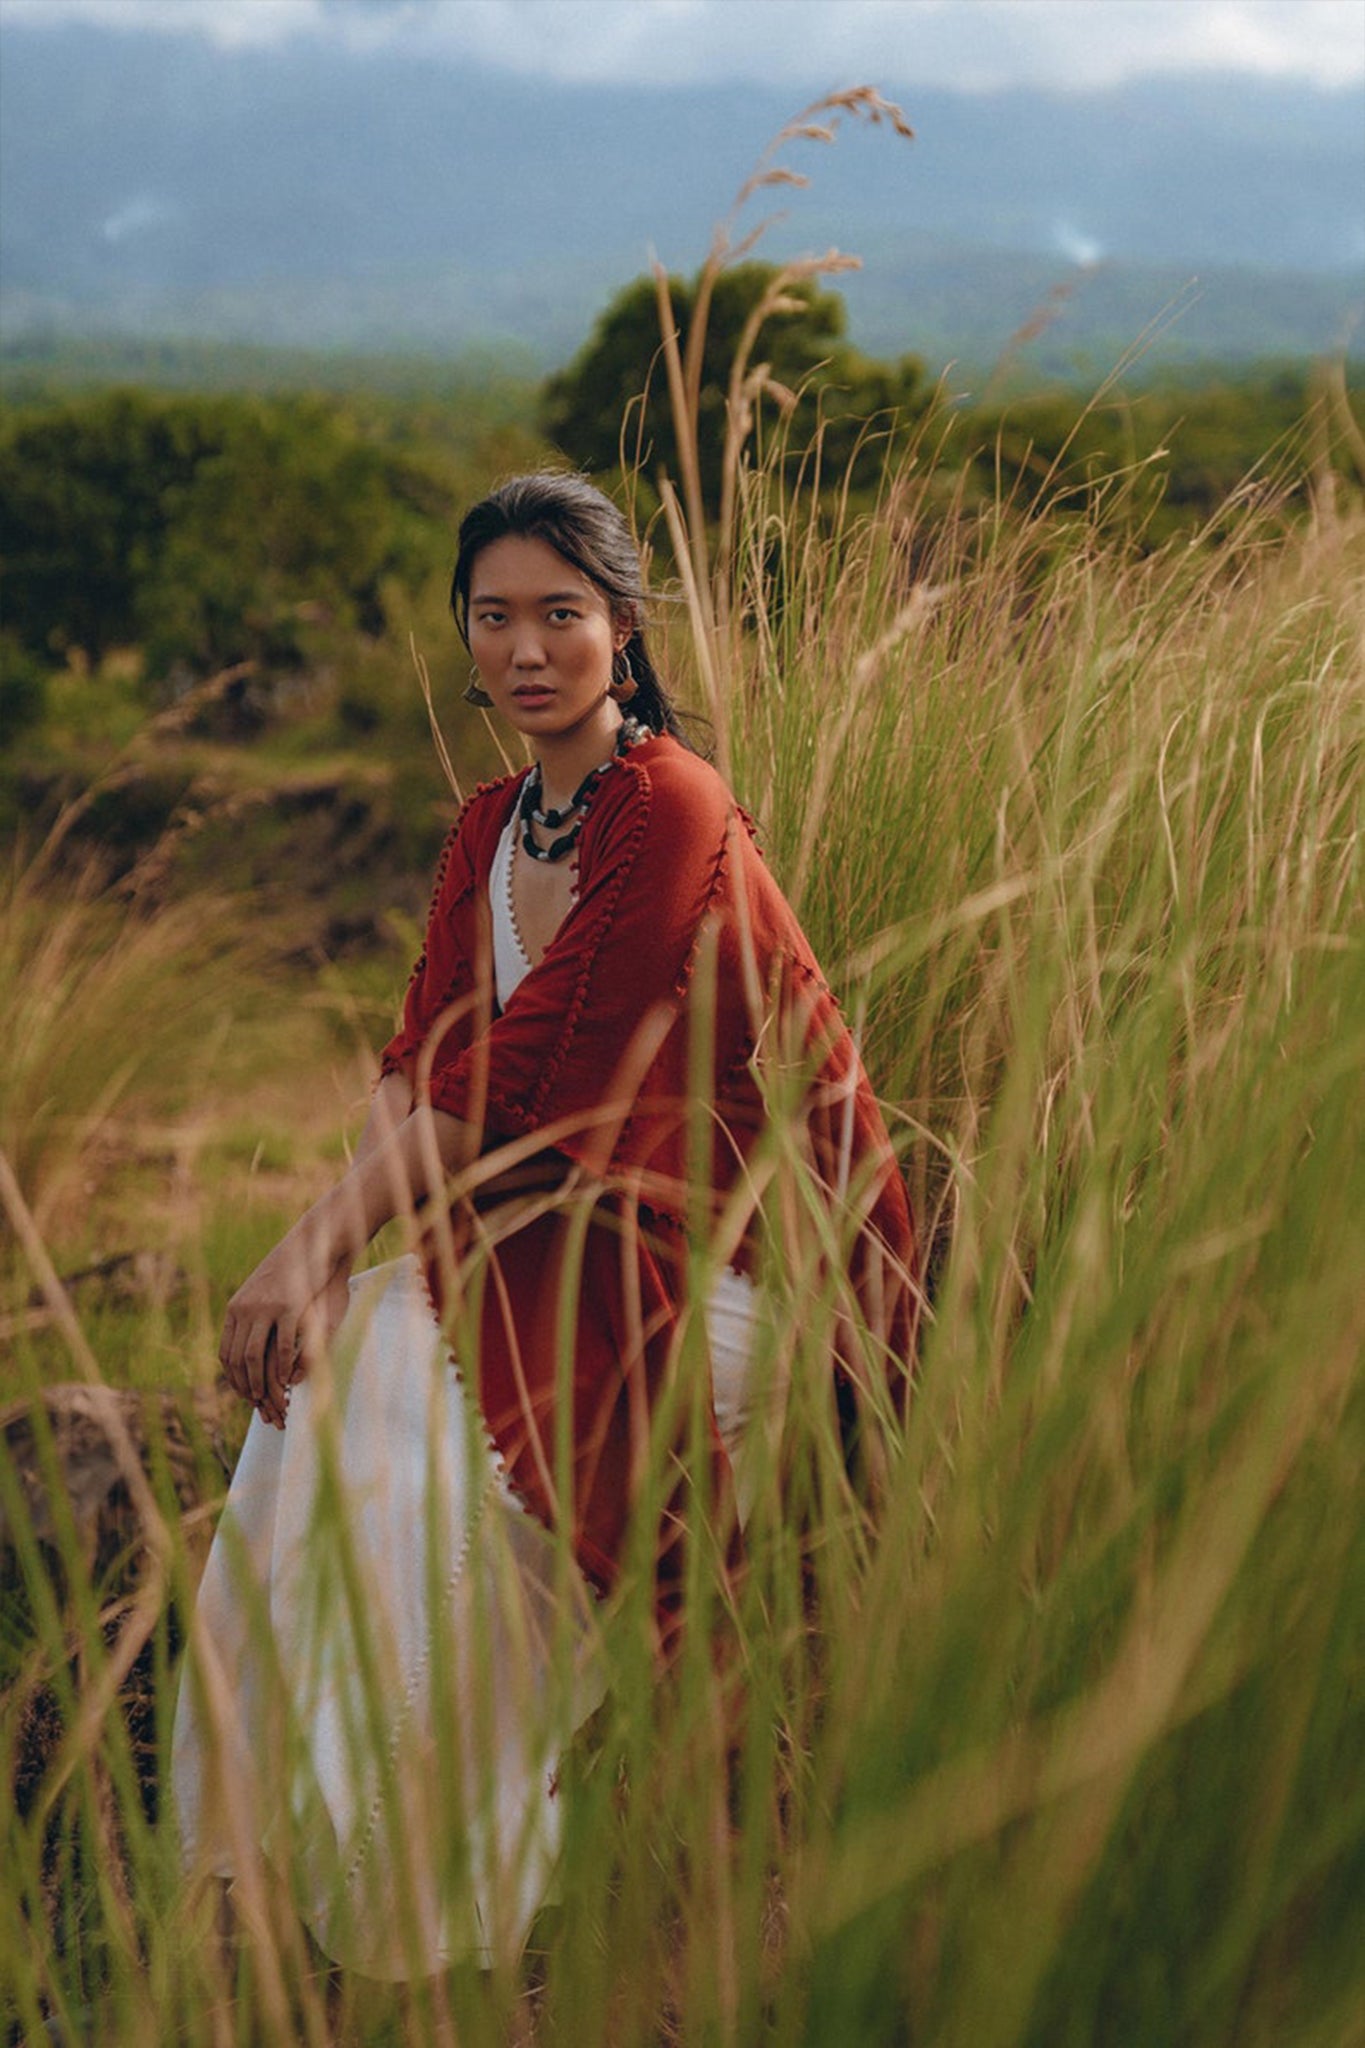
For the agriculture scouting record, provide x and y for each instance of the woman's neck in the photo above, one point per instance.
(566, 757)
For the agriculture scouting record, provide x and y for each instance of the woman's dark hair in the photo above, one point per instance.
(574, 518)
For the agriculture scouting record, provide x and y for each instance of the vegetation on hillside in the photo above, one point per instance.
(153, 544)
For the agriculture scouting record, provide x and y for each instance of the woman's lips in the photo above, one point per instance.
(533, 693)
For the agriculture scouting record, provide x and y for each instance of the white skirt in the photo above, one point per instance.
(384, 1638)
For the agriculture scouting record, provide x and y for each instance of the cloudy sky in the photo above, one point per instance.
(972, 44)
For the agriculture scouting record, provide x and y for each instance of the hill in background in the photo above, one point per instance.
(305, 197)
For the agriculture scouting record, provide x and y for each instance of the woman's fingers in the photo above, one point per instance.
(247, 1355)
(253, 1359)
(234, 1352)
(280, 1353)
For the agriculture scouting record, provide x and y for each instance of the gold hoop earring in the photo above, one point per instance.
(475, 693)
(623, 685)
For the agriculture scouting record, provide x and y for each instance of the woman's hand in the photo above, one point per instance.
(293, 1301)
(297, 1295)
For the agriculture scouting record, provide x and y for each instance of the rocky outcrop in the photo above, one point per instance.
(66, 1470)
(67, 1514)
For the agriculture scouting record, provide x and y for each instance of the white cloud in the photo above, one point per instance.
(978, 44)
(231, 24)
(136, 216)
(1084, 250)
(236, 24)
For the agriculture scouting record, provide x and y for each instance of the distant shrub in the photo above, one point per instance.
(23, 689)
(208, 530)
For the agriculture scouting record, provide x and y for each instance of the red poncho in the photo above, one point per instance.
(678, 1000)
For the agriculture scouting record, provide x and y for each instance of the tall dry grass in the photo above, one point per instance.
(1055, 1735)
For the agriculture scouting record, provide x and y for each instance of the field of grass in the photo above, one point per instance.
(1054, 1735)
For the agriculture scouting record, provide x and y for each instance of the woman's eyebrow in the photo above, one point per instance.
(546, 597)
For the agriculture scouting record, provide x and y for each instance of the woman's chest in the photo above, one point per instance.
(542, 894)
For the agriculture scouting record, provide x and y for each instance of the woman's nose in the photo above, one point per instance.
(528, 649)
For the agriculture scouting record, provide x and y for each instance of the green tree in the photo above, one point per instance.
(206, 530)
(23, 689)
(288, 526)
(613, 397)
(83, 511)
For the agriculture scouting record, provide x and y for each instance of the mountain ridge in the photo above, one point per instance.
(304, 197)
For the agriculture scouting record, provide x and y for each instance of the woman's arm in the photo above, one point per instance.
(283, 1306)
(390, 1104)
(297, 1295)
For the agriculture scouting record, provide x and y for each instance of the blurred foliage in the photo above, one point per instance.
(290, 529)
(245, 571)
(611, 401)
(247, 567)
(1156, 458)
(23, 687)
(206, 530)
(1163, 459)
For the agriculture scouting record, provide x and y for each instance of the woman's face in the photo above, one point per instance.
(543, 636)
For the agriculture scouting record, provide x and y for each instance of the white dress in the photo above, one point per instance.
(385, 1637)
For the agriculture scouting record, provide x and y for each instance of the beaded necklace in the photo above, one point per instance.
(529, 809)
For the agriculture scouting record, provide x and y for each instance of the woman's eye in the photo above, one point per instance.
(488, 619)
(561, 614)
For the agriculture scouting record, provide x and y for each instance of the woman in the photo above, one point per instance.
(612, 993)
